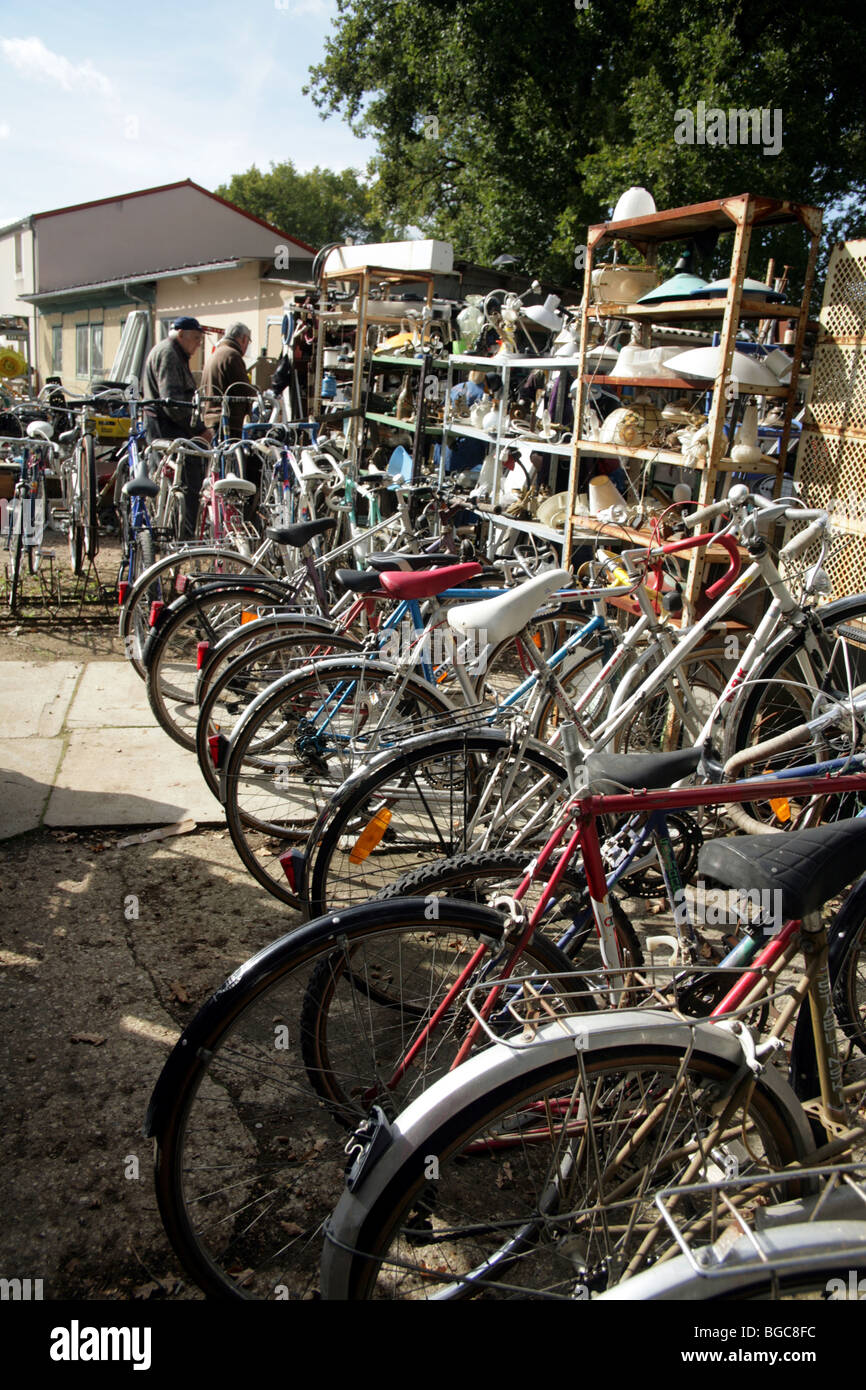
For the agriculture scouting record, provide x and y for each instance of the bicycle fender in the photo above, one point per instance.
(600, 1033)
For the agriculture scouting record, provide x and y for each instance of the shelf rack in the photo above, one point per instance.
(739, 214)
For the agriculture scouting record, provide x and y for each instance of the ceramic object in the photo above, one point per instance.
(746, 449)
(635, 202)
(704, 364)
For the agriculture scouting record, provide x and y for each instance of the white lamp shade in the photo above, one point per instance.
(705, 365)
(545, 314)
(602, 495)
(553, 510)
(635, 202)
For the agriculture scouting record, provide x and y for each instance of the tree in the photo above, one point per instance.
(318, 207)
(511, 127)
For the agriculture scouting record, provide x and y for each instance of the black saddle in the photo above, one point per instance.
(140, 487)
(301, 534)
(646, 770)
(381, 563)
(808, 867)
(358, 581)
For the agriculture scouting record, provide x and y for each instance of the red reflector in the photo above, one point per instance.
(155, 609)
(201, 652)
(289, 865)
(179, 583)
(215, 745)
(122, 591)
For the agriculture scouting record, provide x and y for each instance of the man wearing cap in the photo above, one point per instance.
(225, 374)
(168, 387)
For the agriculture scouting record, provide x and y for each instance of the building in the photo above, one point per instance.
(78, 273)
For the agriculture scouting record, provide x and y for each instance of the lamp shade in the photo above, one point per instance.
(635, 202)
(602, 495)
(545, 314)
(705, 363)
(681, 286)
(755, 289)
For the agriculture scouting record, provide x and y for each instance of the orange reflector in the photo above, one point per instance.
(536, 637)
(370, 836)
(249, 617)
(781, 807)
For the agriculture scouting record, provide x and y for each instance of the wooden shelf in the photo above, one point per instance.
(672, 310)
(678, 224)
(672, 456)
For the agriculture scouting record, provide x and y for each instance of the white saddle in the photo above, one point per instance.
(504, 616)
(232, 483)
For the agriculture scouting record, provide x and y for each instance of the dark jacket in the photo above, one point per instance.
(223, 369)
(167, 375)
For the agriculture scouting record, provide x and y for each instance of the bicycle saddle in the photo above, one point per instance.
(232, 483)
(409, 562)
(648, 771)
(140, 486)
(359, 581)
(302, 533)
(504, 616)
(806, 866)
(427, 583)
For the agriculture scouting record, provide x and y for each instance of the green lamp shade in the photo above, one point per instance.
(681, 286)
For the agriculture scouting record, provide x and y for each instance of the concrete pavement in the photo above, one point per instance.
(79, 746)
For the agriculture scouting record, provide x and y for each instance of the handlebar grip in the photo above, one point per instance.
(705, 513)
(805, 538)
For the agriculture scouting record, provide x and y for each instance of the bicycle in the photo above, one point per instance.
(362, 1007)
(26, 516)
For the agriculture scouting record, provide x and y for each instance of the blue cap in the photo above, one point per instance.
(187, 323)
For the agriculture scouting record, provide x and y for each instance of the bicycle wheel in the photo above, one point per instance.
(300, 741)
(509, 664)
(431, 800)
(479, 878)
(525, 1177)
(169, 574)
(16, 550)
(249, 1161)
(75, 533)
(240, 681)
(788, 688)
(171, 656)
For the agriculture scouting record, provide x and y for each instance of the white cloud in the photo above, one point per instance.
(315, 7)
(31, 58)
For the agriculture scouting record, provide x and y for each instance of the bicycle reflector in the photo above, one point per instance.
(293, 863)
(370, 836)
(201, 652)
(216, 746)
(179, 583)
(155, 612)
(122, 591)
(247, 617)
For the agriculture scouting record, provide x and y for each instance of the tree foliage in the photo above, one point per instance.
(511, 127)
(318, 207)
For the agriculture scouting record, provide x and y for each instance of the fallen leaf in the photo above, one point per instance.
(292, 1228)
(178, 992)
(145, 1290)
(96, 1039)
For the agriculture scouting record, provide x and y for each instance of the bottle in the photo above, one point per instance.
(405, 407)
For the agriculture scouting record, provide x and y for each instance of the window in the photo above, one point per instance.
(95, 348)
(57, 348)
(88, 349)
(19, 254)
(82, 349)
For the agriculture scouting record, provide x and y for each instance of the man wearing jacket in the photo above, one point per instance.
(225, 373)
(168, 388)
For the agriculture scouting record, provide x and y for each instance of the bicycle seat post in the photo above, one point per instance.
(574, 758)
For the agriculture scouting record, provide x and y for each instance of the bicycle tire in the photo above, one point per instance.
(478, 877)
(171, 656)
(777, 698)
(17, 552)
(468, 1198)
(437, 786)
(299, 741)
(237, 1117)
(90, 510)
(133, 625)
(239, 682)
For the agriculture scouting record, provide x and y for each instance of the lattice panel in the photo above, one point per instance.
(830, 474)
(843, 312)
(838, 398)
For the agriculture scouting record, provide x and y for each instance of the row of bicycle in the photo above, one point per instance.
(547, 1110)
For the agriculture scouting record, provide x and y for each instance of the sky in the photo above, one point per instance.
(104, 98)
